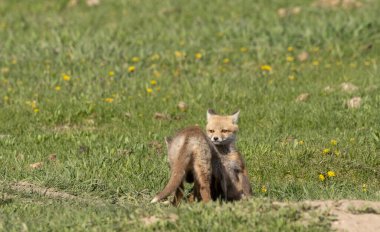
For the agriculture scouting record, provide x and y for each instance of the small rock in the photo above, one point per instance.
(282, 12)
(52, 157)
(161, 116)
(182, 106)
(37, 165)
(92, 2)
(328, 89)
(303, 97)
(303, 56)
(348, 87)
(354, 102)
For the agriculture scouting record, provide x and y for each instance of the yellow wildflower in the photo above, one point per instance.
(153, 82)
(301, 142)
(322, 177)
(291, 78)
(290, 49)
(131, 69)
(364, 188)
(155, 57)
(326, 151)
(198, 55)
(331, 174)
(157, 74)
(226, 61)
(14, 61)
(5, 70)
(334, 142)
(111, 73)
(337, 152)
(264, 189)
(108, 99)
(149, 90)
(135, 59)
(315, 49)
(179, 54)
(289, 58)
(66, 77)
(267, 68)
(57, 88)
(315, 63)
(6, 98)
(244, 49)
(36, 110)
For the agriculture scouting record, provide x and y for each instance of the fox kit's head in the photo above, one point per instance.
(221, 129)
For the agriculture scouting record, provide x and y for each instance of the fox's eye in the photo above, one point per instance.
(225, 131)
(211, 131)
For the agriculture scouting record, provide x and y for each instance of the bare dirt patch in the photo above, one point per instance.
(349, 215)
(26, 187)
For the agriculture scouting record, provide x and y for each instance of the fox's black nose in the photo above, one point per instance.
(216, 138)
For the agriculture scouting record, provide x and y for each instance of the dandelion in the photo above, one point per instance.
(267, 68)
(109, 99)
(36, 110)
(322, 177)
(57, 88)
(315, 49)
(301, 142)
(326, 151)
(331, 174)
(243, 49)
(66, 77)
(5, 70)
(179, 54)
(291, 78)
(198, 56)
(135, 59)
(364, 188)
(157, 74)
(334, 142)
(111, 73)
(153, 82)
(149, 90)
(289, 58)
(290, 49)
(226, 61)
(264, 189)
(131, 69)
(155, 57)
(315, 63)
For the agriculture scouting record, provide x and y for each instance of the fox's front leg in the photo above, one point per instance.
(246, 186)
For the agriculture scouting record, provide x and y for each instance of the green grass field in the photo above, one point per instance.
(86, 84)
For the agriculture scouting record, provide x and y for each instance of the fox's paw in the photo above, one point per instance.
(155, 200)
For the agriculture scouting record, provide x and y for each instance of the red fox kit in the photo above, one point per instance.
(190, 154)
(222, 130)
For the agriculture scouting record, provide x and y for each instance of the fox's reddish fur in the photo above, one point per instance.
(222, 130)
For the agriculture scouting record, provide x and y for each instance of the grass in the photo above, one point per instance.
(66, 89)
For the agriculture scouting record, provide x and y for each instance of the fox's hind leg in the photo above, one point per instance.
(178, 195)
(202, 182)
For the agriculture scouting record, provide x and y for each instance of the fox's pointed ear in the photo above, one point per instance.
(210, 113)
(168, 140)
(235, 117)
